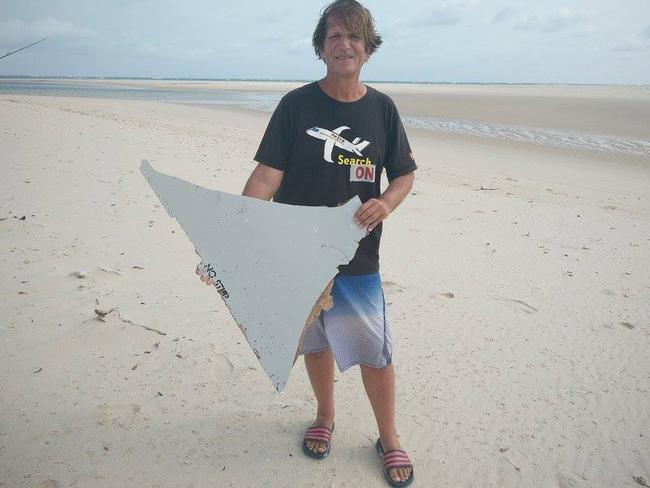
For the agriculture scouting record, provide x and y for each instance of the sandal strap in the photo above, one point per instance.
(321, 434)
(396, 458)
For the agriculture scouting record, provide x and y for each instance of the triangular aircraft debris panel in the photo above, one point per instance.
(269, 261)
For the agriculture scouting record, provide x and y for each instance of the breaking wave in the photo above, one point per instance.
(535, 136)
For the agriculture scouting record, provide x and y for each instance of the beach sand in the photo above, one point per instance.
(517, 277)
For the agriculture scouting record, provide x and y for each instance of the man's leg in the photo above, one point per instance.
(380, 387)
(320, 368)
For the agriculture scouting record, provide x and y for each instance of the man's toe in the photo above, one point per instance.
(400, 474)
(318, 447)
(395, 475)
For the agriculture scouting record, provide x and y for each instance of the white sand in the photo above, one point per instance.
(520, 312)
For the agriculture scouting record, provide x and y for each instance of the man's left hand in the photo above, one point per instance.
(371, 214)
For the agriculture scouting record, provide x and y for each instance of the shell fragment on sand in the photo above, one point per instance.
(269, 261)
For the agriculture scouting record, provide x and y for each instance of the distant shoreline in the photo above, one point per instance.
(607, 120)
(289, 80)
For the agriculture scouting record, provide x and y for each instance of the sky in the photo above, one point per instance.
(487, 41)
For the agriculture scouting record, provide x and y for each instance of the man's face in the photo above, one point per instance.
(344, 52)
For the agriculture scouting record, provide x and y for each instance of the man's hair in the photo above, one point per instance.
(355, 17)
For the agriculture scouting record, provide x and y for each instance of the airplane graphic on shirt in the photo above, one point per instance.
(333, 138)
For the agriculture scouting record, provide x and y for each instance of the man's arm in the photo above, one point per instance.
(263, 182)
(375, 210)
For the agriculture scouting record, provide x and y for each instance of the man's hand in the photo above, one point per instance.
(375, 210)
(371, 213)
(205, 279)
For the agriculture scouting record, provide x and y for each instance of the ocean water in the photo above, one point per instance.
(266, 101)
(543, 137)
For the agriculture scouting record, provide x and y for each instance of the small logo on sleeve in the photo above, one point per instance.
(363, 173)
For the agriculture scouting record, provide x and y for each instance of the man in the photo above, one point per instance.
(325, 143)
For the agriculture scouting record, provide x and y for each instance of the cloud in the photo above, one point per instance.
(504, 14)
(396, 32)
(272, 38)
(15, 31)
(551, 22)
(284, 42)
(630, 47)
(271, 17)
(300, 46)
(639, 44)
(445, 13)
(195, 53)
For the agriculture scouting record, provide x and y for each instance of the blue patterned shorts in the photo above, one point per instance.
(355, 329)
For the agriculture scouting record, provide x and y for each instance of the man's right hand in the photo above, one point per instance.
(205, 279)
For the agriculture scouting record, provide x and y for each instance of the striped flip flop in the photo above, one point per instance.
(319, 434)
(395, 458)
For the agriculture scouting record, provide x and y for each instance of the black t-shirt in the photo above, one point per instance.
(331, 151)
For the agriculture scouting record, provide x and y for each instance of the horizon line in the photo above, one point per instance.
(299, 80)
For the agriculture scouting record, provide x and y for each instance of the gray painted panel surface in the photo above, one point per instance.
(269, 261)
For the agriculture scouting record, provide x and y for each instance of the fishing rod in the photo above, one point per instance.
(13, 52)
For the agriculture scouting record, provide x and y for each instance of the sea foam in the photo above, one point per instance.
(545, 137)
